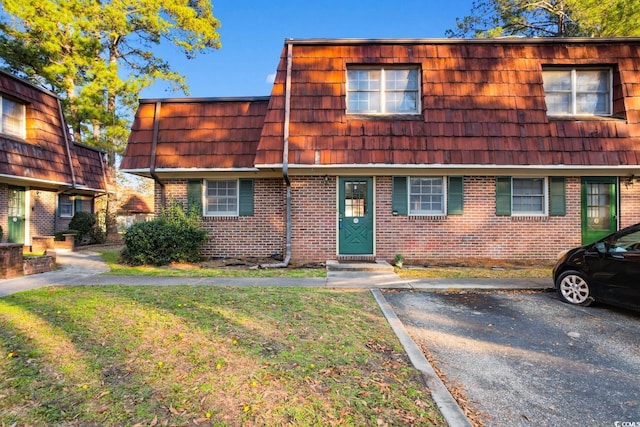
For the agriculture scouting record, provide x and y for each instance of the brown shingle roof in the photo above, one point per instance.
(196, 133)
(43, 156)
(482, 103)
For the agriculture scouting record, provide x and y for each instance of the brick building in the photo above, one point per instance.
(44, 176)
(507, 149)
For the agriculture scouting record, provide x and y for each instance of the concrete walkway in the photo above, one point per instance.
(87, 268)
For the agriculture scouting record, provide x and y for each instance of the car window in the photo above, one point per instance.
(628, 242)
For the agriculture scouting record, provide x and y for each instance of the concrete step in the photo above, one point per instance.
(372, 267)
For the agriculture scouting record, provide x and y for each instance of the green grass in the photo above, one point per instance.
(181, 355)
(474, 272)
(194, 270)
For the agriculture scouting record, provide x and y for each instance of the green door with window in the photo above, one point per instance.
(15, 232)
(355, 216)
(599, 208)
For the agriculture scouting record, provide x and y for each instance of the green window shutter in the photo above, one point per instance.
(77, 205)
(455, 195)
(194, 195)
(245, 207)
(557, 191)
(503, 195)
(399, 195)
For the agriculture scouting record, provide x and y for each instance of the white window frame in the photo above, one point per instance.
(573, 91)
(207, 212)
(418, 212)
(544, 195)
(383, 91)
(22, 125)
(71, 202)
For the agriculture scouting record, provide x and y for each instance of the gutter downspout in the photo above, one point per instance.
(285, 161)
(65, 134)
(154, 145)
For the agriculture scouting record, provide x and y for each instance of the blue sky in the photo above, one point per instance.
(253, 33)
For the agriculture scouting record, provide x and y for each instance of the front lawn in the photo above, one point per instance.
(111, 256)
(184, 355)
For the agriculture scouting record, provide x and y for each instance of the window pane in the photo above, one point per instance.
(222, 197)
(528, 195)
(401, 79)
(364, 101)
(401, 102)
(556, 80)
(66, 205)
(12, 118)
(592, 81)
(355, 198)
(592, 103)
(364, 79)
(558, 103)
(426, 196)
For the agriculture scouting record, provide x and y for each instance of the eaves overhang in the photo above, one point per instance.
(460, 169)
(457, 41)
(20, 180)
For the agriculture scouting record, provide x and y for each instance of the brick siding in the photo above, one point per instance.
(4, 211)
(477, 233)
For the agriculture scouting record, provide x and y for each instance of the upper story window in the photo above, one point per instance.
(383, 90)
(13, 117)
(578, 91)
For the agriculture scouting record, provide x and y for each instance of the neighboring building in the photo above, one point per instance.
(44, 176)
(134, 207)
(509, 149)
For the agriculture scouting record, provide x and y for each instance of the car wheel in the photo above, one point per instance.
(574, 288)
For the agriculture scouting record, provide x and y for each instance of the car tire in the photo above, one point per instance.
(573, 288)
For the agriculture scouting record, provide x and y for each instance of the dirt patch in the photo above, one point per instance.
(250, 262)
(480, 263)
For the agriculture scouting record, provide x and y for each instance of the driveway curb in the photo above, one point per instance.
(448, 406)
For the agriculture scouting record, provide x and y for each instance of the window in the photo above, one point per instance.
(65, 206)
(578, 91)
(222, 198)
(13, 117)
(390, 90)
(426, 196)
(527, 196)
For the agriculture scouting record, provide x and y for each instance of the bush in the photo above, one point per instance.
(87, 232)
(172, 237)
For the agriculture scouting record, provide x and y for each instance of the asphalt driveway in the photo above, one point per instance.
(525, 358)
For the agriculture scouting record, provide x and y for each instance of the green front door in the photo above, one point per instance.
(355, 216)
(15, 233)
(599, 208)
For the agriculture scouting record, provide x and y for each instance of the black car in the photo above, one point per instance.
(607, 271)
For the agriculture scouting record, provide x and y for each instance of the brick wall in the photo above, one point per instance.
(260, 235)
(43, 212)
(313, 219)
(4, 210)
(629, 203)
(478, 232)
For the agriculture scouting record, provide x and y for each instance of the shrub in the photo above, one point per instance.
(86, 229)
(172, 237)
